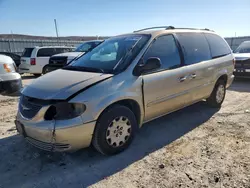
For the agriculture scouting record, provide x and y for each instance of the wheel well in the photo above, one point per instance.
(44, 68)
(223, 78)
(132, 105)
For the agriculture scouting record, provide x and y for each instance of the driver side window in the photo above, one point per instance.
(164, 48)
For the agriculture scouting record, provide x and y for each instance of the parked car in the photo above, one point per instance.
(242, 60)
(33, 60)
(59, 60)
(10, 80)
(16, 58)
(104, 96)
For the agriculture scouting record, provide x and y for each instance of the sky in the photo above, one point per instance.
(113, 17)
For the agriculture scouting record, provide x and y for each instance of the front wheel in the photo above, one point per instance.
(115, 130)
(218, 95)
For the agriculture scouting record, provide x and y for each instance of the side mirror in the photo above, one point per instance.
(151, 64)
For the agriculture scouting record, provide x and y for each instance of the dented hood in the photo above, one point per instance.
(61, 84)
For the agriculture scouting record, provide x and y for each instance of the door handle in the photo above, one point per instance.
(182, 79)
(193, 75)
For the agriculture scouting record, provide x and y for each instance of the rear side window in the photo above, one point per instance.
(27, 52)
(195, 47)
(46, 52)
(166, 50)
(218, 46)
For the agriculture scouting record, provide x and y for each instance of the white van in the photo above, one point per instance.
(34, 59)
(10, 80)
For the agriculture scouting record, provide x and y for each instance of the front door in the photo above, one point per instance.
(166, 89)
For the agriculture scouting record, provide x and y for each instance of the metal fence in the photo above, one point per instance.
(234, 42)
(17, 45)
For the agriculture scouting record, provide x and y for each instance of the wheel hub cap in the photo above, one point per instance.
(220, 93)
(118, 132)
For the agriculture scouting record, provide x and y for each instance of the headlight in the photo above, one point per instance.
(64, 110)
(9, 67)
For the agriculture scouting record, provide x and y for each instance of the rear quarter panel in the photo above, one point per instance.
(40, 62)
(223, 66)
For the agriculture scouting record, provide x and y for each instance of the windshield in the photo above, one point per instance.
(85, 47)
(110, 53)
(243, 48)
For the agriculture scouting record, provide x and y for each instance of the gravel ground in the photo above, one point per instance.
(194, 147)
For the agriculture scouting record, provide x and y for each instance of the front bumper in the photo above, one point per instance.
(57, 136)
(11, 86)
(242, 73)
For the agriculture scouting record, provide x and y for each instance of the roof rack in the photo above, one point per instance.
(196, 29)
(169, 27)
(159, 27)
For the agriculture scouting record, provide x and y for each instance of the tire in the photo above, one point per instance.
(105, 137)
(37, 75)
(44, 69)
(218, 95)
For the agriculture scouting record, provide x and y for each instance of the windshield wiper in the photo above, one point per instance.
(87, 69)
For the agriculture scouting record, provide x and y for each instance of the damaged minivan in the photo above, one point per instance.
(104, 97)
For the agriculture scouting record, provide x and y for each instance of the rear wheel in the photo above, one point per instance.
(45, 69)
(115, 130)
(218, 95)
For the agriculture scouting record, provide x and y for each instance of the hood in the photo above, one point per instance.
(242, 56)
(70, 55)
(5, 59)
(61, 84)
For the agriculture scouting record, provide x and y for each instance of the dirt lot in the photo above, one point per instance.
(194, 147)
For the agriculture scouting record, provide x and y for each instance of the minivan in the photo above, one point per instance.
(33, 60)
(106, 95)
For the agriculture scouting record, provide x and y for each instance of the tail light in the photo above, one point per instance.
(33, 61)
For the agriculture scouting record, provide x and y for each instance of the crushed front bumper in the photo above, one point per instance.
(56, 136)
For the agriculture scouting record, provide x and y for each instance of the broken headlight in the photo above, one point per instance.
(64, 110)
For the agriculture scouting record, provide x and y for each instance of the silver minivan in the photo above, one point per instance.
(104, 97)
(10, 80)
